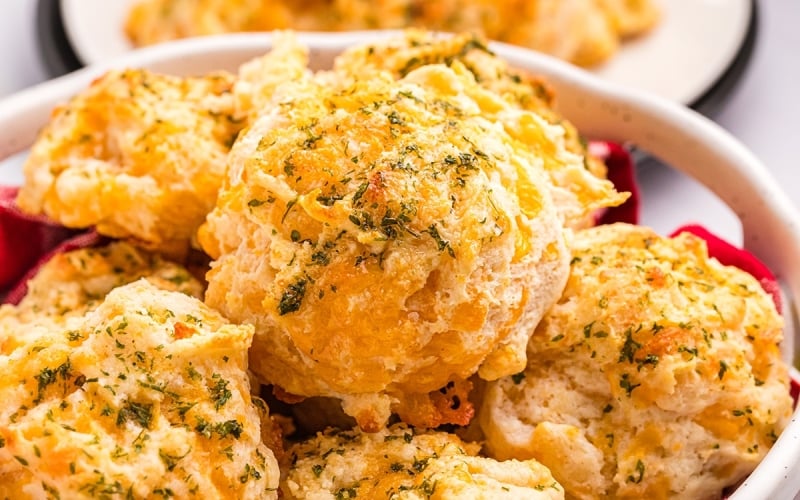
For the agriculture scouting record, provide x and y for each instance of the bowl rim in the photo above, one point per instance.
(680, 137)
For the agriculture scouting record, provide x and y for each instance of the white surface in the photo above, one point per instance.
(96, 41)
(764, 111)
(680, 137)
(19, 59)
(693, 43)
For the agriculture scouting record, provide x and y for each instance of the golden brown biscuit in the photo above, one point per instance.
(389, 227)
(416, 48)
(146, 396)
(137, 154)
(656, 375)
(580, 188)
(578, 31)
(402, 463)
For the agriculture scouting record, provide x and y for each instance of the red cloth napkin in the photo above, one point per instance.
(82, 240)
(622, 173)
(23, 238)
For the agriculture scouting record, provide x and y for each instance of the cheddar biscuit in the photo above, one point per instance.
(146, 396)
(657, 374)
(400, 462)
(138, 155)
(387, 227)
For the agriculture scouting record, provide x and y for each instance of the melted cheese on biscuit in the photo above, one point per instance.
(579, 187)
(137, 154)
(73, 283)
(373, 212)
(146, 396)
(656, 375)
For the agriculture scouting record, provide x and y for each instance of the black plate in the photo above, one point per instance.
(54, 47)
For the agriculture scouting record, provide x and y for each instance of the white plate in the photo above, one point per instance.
(686, 53)
(679, 137)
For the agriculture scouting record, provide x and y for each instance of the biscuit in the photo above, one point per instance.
(387, 227)
(147, 395)
(657, 374)
(585, 32)
(138, 155)
(579, 187)
(400, 462)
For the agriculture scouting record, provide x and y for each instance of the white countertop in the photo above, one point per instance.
(762, 111)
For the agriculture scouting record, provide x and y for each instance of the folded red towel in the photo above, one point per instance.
(622, 173)
(23, 238)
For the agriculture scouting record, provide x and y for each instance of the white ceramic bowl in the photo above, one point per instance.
(676, 135)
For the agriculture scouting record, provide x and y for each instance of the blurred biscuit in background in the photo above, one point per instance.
(584, 32)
